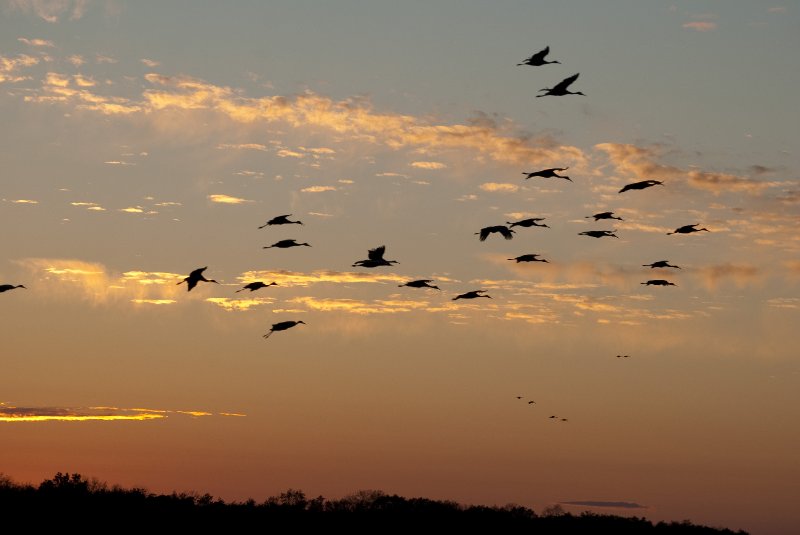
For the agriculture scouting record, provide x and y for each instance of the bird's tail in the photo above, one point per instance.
(237, 291)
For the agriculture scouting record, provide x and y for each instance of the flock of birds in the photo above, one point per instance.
(375, 257)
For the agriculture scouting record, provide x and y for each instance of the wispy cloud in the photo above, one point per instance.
(36, 42)
(499, 187)
(700, 26)
(154, 301)
(317, 189)
(11, 413)
(614, 505)
(428, 165)
(150, 62)
(227, 199)
(23, 201)
(243, 146)
(294, 278)
(51, 10)
(8, 66)
(355, 306)
(239, 304)
(740, 275)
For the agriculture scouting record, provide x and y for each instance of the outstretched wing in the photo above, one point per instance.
(506, 232)
(376, 253)
(564, 84)
(484, 233)
(197, 273)
(539, 56)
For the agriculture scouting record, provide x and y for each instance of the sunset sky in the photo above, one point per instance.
(142, 140)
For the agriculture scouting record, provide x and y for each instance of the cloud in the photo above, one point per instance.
(243, 146)
(777, 9)
(51, 10)
(35, 42)
(428, 165)
(784, 302)
(239, 304)
(9, 65)
(740, 275)
(93, 206)
(118, 162)
(392, 174)
(615, 505)
(132, 210)
(82, 81)
(150, 62)
(501, 187)
(153, 301)
(23, 201)
(286, 153)
(317, 189)
(700, 26)
(100, 58)
(227, 199)
(717, 182)
(294, 278)
(354, 306)
(76, 60)
(11, 413)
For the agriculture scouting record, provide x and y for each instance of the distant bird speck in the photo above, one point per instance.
(253, 286)
(472, 295)
(641, 185)
(7, 287)
(505, 232)
(688, 229)
(281, 220)
(537, 60)
(282, 326)
(560, 89)
(285, 244)
(195, 277)
(547, 173)
(622, 356)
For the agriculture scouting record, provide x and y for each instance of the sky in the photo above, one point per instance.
(143, 140)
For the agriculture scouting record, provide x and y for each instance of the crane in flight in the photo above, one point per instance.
(285, 244)
(529, 258)
(661, 264)
(537, 60)
(253, 286)
(658, 282)
(195, 277)
(504, 231)
(375, 258)
(472, 295)
(530, 222)
(560, 89)
(599, 233)
(604, 215)
(547, 173)
(281, 220)
(641, 185)
(422, 283)
(282, 326)
(688, 229)
(7, 287)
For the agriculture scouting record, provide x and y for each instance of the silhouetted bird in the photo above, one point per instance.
(537, 59)
(560, 89)
(422, 283)
(519, 397)
(472, 295)
(598, 233)
(552, 417)
(547, 173)
(530, 222)
(7, 287)
(604, 215)
(282, 326)
(195, 277)
(641, 185)
(622, 356)
(285, 244)
(528, 258)
(687, 229)
(531, 403)
(375, 258)
(281, 220)
(253, 286)
(506, 232)
(658, 282)
(661, 264)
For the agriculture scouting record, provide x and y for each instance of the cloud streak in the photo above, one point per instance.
(11, 413)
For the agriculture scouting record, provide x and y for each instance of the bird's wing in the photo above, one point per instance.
(191, 283)
(563, 84)
(540, 55)
(507, 233)
(484, 233)
(376, 253)
(197, 272)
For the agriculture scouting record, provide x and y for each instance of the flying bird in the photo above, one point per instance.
(375, 258)
(641, 185)
(687, 229)
(281, 220)
(285, 244)
(506, 232)
(560, 89)
(537, 59)
(253, 286)
(529, 258)
(195, 277)
(422, 283)
(658, 282)
(530, 222)
(7, 287)
(519, 397)
(604, 215)
(531, 402)
(661, 264)
(547, 173)
(622, 356)
(472, 295)
(598, 233)
(282, 326)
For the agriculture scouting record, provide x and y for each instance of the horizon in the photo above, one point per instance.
(144, 141)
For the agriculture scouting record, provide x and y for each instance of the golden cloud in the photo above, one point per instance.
(10, 413)
(227, 199)
(24, 201)
(502, 187)
(247, 146)
(9, 65)
(700, 26)
(293, 278)
(740, 275)
(317, 189)
(354, 306)
(35, 42)
(428, 165)
(239, 304)
(153, 301)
